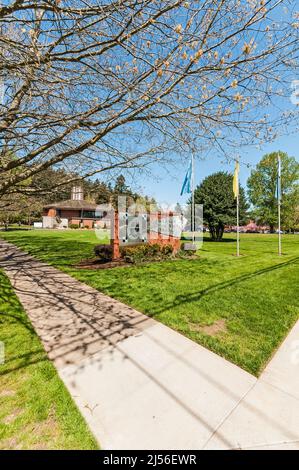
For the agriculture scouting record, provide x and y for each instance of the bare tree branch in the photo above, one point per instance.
(104, 85)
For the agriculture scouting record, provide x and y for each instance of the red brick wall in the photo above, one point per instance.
(73, 216)
(153, 237)
(64, 213)
(70, 214)
(165, 240)
(74, 221)
(87, 223)
(50, 212)
(114, 242)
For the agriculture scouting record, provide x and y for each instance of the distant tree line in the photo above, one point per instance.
(26, 208)
(219, 205)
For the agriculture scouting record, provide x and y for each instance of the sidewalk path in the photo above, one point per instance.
(141, 385)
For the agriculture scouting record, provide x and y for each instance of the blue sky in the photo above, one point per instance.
(165, 184)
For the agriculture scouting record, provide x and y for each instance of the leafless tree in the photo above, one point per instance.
(96, 85)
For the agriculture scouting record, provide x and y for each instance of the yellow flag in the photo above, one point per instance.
(236, 180)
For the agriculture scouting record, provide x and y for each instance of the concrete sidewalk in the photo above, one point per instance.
(141, 385)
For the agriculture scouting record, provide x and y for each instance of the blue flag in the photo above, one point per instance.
(186, 188)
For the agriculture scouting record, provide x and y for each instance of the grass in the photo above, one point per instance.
(36, 410)
(255, 297)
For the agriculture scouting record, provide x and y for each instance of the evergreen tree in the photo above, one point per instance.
(219, 204)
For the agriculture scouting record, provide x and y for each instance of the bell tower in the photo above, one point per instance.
(77, 193)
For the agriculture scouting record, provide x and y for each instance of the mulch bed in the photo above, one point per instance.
(95, 263)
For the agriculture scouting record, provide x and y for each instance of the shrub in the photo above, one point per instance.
(133, 254)
(86, 226)
(74, 225)
(103, 252)
(167, 249)
(139, 253)
(153, 250)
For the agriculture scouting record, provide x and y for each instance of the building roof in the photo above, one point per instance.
(73, 204)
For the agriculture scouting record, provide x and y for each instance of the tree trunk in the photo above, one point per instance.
(219, 232)
(212, 232)
(216, 233)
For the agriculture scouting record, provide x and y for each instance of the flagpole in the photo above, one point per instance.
(193, 207)
(238, 228)
(279, 203)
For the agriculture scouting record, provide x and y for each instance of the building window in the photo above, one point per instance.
(92, 214)
(88, 214)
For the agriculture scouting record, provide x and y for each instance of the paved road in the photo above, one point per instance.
(141, 385)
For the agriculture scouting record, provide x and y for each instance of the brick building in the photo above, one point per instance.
(74, 211)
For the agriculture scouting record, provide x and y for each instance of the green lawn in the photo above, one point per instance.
(36, 410)
(253, 300)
